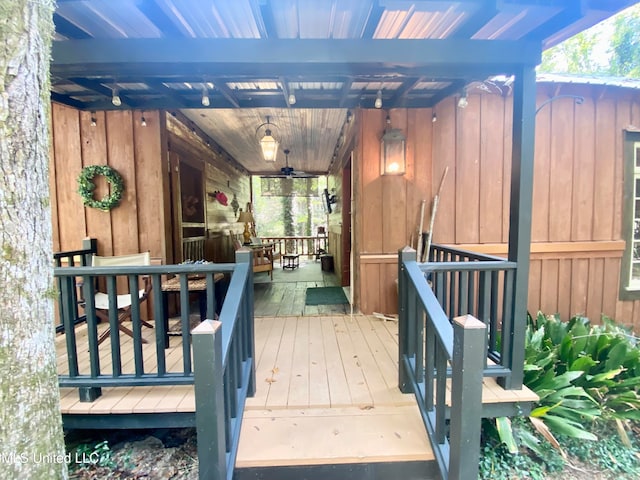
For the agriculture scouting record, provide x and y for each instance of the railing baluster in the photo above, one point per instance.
(114, 332)
(185, 323)
(136, 325)
(463, 294)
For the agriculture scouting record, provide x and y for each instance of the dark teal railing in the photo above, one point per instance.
(436, 350)
(468, 283)
(223, 369)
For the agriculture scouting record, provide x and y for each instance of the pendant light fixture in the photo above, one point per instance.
(268, 143)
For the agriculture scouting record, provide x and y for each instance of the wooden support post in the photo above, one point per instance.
(210, 411)
(247, 313)
(515, 319)
(469, 352)
(405, 254)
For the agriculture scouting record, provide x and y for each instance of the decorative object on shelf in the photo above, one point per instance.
(268, 143)
(220, 197)
(86, 187)
(234, 204)
(246, 218)
(392, 151)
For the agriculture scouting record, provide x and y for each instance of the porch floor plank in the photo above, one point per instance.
(325, 392)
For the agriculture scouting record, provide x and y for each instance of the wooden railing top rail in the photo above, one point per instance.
(430, 304)
(231, 307)
(475, 256)
(468, 266)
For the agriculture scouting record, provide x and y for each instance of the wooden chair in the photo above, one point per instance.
(262, 256)
(124, 301)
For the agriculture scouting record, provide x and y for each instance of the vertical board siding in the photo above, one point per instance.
(492, 160)
(68, 164)
(578, 181)
(467, 214)
(387, 208)
(137, 223)
(584, 170)
(604, 191)
(94, 152)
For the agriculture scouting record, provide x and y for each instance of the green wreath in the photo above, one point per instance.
(86, 187)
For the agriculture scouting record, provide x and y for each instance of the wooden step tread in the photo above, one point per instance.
(332, 436)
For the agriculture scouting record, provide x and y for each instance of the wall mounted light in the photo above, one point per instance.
(143, 121)
(94, 122)
(115, 97)
(292, 97)
(434, 118)
(268, 143)
(205, 97)
(378, 102)
(392, 151)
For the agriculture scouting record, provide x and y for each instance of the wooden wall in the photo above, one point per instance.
(219, 175)
(387, 207)
(136, 152)
(145, 219)
(576, 221)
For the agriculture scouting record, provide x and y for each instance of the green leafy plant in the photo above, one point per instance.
(583, 374)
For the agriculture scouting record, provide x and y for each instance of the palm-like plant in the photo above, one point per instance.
(582, 374)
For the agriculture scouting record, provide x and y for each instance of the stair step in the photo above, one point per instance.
(332, 436)
(416, 470)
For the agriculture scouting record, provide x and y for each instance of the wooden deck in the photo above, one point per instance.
(326, 393)
(285, 294)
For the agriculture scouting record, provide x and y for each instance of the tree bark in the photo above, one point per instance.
(31, 439)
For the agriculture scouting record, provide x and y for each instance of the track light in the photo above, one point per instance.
(378, 102)
(94, 122)
(115, 97)
(463, 102)
(205, 97)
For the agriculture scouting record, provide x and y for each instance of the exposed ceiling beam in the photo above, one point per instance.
(226, 92)
(285, 57)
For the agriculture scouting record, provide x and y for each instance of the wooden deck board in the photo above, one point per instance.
(326, 392)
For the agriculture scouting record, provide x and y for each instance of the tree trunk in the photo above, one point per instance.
(31, 439)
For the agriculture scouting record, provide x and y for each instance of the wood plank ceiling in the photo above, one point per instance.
(302, 63)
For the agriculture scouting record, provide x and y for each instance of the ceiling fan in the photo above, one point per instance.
(289, 172)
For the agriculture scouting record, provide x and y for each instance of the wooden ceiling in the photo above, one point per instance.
(303, 63)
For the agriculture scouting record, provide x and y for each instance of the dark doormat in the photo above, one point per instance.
(325, 296)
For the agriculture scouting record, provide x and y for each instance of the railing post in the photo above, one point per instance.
(406, 254)
(208, 371)
(466, 397)
(246, 256)
(90, 244)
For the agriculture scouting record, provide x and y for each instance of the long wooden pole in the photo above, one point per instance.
(436, 200)
(421, 224)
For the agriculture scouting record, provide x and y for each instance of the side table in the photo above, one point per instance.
(290, 261)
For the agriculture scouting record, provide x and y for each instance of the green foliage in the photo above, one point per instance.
(625, 44)
(609, 48)
(574, 55)
(587, 378)
(96, 454)
(86, 187)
